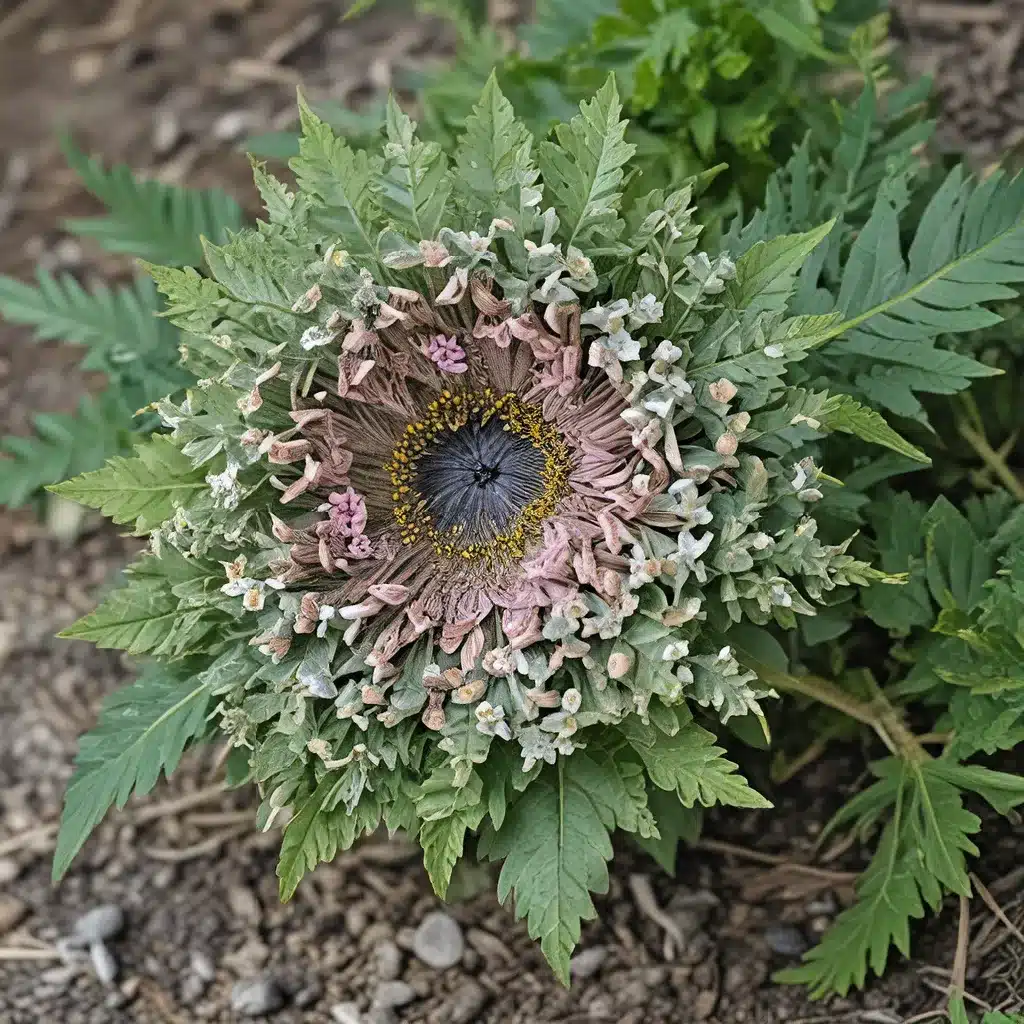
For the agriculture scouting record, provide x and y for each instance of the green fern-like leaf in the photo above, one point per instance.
(689, 764)
(119, 328)
(157, 222)
(146, 488)
(329, 170)
(920, 857)
(555, 846)
(584, 172)
(146, 616)
(846, 414)
(142, 731)
(968, 249)
(62, 446)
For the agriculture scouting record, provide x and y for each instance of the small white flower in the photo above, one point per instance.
(725, 654)
(536, 746)
(316, 337)
(490, 720)
(571, 700)
(687, 557)
(641, 568)
(563, 723)
(774, 351)
(690, 505)
(666, 352)
(780, 596)
(224, 486)
(675, 650)
(327, 612)
(647, 311)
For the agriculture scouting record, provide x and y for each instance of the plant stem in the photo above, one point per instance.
(993, 460)
(878, 713)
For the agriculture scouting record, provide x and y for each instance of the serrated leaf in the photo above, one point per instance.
(957, 563)
(676, 823)
(766, 273)
(147, 488)
(555, 845)
(145, 616)
(319, 829)
(846, 414)
(413, 187)
(142, 731)
(493, 158)
(328, 169)
(690, 765)
(442, 840)
(583, 172)
(62, 446)
(123, 337)
(919, 857)
(149, 219)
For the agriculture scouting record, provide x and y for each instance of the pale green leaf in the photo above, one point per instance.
(583, 172)
(846, 414)
(146, 488)
(142, 731)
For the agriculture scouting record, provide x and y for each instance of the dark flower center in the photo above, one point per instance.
(479, 479)
(478, 475)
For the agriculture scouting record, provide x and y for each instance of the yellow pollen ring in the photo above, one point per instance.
(449, 413)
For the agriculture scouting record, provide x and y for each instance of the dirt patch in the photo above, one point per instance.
(172, 88)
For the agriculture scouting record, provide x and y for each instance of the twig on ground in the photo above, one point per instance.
(202, 849)
(775, 859)
(28, 953)
(32, 838)
(989, 900)
(176, 805)
(647, 903)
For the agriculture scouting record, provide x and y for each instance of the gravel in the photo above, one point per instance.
(391, 994)
(438, 941)
(346, 1013)
(104, 964)
(98, 925)
(256, 997)
(785, 940)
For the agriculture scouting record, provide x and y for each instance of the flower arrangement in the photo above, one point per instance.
(488, 489)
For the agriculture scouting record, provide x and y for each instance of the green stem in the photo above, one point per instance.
(878, 713)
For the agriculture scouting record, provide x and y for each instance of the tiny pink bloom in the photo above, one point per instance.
(360, 547)
(347, 511)
(448, 354)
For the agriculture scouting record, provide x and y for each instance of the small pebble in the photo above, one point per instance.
(587, 962)
(230, 126)
(244, 905)
(98, 924)
(308, 995)
(388, 960)
(355, 923)
(192, 989)
(465, 1003)
(253, 997)
(346, 1013)
(785, 940)
(9, 867)
(103, 963)
(12, 913)
(202, 966)
(704, 1005)
(390, 994)
(438, 941)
